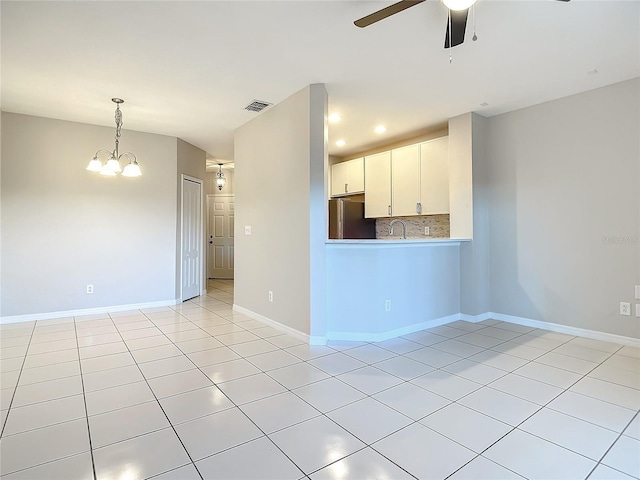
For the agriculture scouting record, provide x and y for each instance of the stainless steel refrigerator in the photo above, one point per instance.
(346, 220)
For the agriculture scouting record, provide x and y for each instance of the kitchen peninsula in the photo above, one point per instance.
(390, 286)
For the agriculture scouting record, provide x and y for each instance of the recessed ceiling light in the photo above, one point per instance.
(380, 129)
(341, 143)
(334, 117)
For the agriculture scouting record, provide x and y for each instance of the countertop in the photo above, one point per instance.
(399, 241)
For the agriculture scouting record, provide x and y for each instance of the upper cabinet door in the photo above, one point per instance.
(347, 178)
(405, 185)
(434, 176)
(339, 179)
(356, 175)
(377, 185)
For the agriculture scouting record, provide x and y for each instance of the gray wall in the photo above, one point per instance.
(421, 281)
(64, 227)
(277, 189)
(191, 161)
(565, 209)
(474, 256)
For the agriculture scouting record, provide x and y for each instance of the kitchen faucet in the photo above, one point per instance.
(404, 227)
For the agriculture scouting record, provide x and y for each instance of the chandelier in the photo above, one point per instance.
(112, 165)
(220, 178)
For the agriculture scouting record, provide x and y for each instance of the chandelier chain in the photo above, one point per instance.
(118, 117)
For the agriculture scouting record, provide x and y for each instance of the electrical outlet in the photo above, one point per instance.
(387, 305)
(637, 309)
(427, 231)
(247, 229)
(625, 309)
(89, 289)
(270, 296)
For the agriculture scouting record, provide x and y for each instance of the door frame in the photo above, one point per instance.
(203, 285)
(213, 195)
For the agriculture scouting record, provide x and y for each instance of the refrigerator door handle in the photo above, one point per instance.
(341, 219)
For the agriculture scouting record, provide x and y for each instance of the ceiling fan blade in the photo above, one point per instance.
(386, 12)
(458, 27)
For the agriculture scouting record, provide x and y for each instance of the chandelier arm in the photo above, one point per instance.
(104, 150)
(128, 155)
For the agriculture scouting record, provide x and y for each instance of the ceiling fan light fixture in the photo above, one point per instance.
(458, 4)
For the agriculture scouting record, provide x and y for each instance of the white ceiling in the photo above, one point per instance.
(187, 69)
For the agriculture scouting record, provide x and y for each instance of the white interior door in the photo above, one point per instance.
(220, 236)
(191, 238)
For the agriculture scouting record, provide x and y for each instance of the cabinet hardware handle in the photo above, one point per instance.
(346, 189)
(389, 210)
(418, 208)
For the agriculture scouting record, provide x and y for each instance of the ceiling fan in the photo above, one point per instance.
(456, 23)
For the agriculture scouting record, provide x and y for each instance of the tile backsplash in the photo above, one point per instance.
(438, 227)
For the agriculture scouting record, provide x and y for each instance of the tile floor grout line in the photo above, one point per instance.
(234, 405)
(84, 401)
(599, 462)
(518, 425)
(536, 412)
(155, 396)
(366, 364)
(15, 388)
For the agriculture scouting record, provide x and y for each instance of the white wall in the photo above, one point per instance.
(276, 168)
(64, 227)
(564, 178)
(461, 176)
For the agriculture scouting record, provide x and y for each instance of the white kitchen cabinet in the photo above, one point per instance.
(347, 178)
(377, 182)
(405, 181)
(408, 181)
(434, 176)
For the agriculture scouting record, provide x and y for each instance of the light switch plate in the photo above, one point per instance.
(247, 229)
(637, 309)
(637, 292)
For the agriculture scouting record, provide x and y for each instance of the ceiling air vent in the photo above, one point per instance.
(257, 106)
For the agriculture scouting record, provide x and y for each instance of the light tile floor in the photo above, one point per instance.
(198, 391)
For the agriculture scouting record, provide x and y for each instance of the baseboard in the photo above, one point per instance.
(566, 329)
(389, 334)
(475, 318)
(86, 311)
(310, 339)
